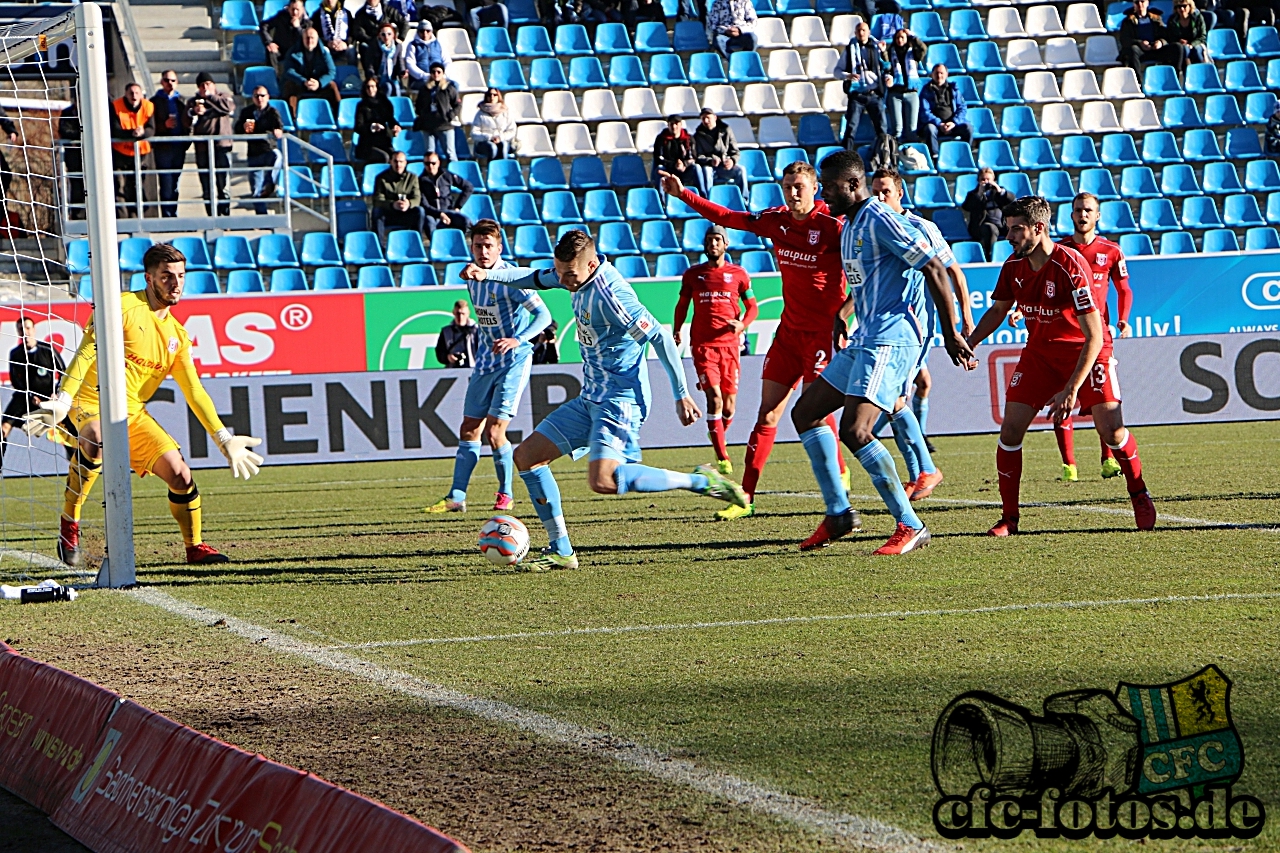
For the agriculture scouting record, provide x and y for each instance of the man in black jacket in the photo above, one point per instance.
(261, 118)
(861, 66)
(365, 24)
(439, 112)
(282, 32)
(716, 152)
(171, 124)
(35, 368)
(985, 205)
(456, 345)
(438, 199)
(673, 153)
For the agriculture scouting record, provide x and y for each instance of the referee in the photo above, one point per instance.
(35, 368)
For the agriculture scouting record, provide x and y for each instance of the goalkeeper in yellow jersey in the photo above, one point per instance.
(155, 346)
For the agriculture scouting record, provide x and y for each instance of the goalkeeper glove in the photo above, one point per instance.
(244, 462)
(48, 415)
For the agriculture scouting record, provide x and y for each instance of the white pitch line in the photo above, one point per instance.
(865, 832)
(35, 559)
(796, 620)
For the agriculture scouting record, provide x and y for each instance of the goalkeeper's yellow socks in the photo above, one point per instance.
(81, 474)
(185, 509)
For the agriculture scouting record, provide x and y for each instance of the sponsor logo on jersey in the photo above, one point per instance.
(1083, 298)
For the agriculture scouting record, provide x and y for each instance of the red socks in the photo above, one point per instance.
(1106, 451)
(835, 430)
(1127, 457)
(715, 432)
(1009, 469)
(1065, 434)
(758, 449)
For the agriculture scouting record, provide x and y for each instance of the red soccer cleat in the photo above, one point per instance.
(905, 540)
(205, 555)
(503, 502)
(910, 488)
(925, 484)
(1144, 510)
(69, 542)
(831, 529)
(1004, 527)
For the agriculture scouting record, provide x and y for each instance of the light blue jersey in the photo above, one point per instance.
(882, 254)
(943, 251)
(503, 313)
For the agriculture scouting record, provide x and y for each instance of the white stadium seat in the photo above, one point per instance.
(680, 101)
(723, 99)
(801, 97)
(1099, 117)
(1080, 84)
(559, 107)
(614, 137)
(1083, 19)
(842, 27)
(785, 65)
(455, 43)
(760, 99)
(470, 104)
(771, 34)
(1005, 23)
(1062, 53)
(1058, 120)
(647, 132)
(834, 97)
(1044, 22)
(982, 4)
(573, 140)
(522, 106)
(533, 140)
(1119, 83)
(1101, 51)
(600, 105)
(743, 132)
(640, 102)
(822, 63)
(1023, 55)
(775, 132)
(467, 75)
(1040, 87)
(1139, 115)
(808, 31)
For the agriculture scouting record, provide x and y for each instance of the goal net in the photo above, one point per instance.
(47, 289)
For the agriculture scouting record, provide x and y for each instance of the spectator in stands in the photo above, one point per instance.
(673, 153)
(985, 205)
(441, 203)
(545, 350)
(886, 21)
(419, 54)
(132, 125)
(439, 111)
(942, 111)
(210, 115)
(731, 25)
(904, 56)
(282, 32)
(490, 13)
(376, 124)
(493, 130)
(635, 11)
(366, 23)
(334, 23)
(388, 67)
(309, 73)
(1143, 39)
(862, 67)
(456, 345)
(171, 123)
(1188, 32)
(69, 130)
(397, 198)
(716, 153)
(261, 118)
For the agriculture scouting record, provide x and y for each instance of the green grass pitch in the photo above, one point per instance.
(837, 710)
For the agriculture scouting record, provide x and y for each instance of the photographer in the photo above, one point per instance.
(455, 347)
(210, 114)
(544, 346)
(985, 205)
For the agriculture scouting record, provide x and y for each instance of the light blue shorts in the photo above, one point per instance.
(881, 374)
(609, 430)
(497, 394)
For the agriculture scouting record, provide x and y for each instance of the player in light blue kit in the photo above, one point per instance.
(509, 320)
(887, 262)
(604, 420)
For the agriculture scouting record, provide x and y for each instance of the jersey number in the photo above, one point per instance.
(586, 336)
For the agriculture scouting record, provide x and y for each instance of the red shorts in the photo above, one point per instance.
(796, 356)
(1041, 375)
(717, 367)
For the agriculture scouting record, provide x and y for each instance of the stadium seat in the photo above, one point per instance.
(1139, 182)
(1041, 87)
(376, 277)
(756, 166)
(1060, 120)
(78, 256)
(729, 196)
(1178, 180)
(954, 157)
(506, 74)
(1160, 147)
(1117, 218)
(456, 43)
(1224, 45)
(449, 244)
(1157, 215)
(644, 204)
(786, 65)
(453, 272)
(1221, 179)
(694, 234)
(247, 49)
(1202, 79)
(587, 173)
(1083, 18)
(1259, 106)
(677, 210)
(809, 31)
(1136, 245)
(546, 173)
(1242, 76)
(1023, 55)
(505, 176)
(722, 99)
(672, 265)
(519, 209)
(667, 69)
(275, 250)
(361, 248)
(1120, 83)
(1261, 43)
(1139, 116)
(601, 205)
(681, 101)
(966, 25)
(198, 283)
(573, 140)
(1177, 243)
(319, 249)
(1001, 90)
(1036, 153)
(626, 71)
(1242, 144)
(926, 26)
(982, 124)
(1241, 211)
(706, 69)
(1044, 22)
(1200, 145)
(759, 99)
(757, 262)
(982, 57)
(560, 106)
(137, 282)
(923, 151)
(469, 76)
(599, 105)
(632, 266)
(1220, 240)
(1262, 176)
(658, 237)
(1200, 213)
(1001, 252)
(336, 278)
(743, 241)
(997, 155)
(494, 43)
(651, 37)
(521, 12)
(1015, 182)
(815, 131)
(1273, 74)
(771, 35)
(641, 103)
(1062, 226)
(546, 73)
(1222, 111)
(1161, 81)
(1062, 52)
(1101, 51)
(1017, 122)
(1004, 22)
(1261, 240)
(1055, 187)
(964, 184)
(746, 67)
(230, 252)
(802, 97)
(572, 40)
(532, 41)
(195, 249)
(418, 275)
(931, 191)
(626, 171)
(775, 132)
(532, 241)
(615, 238)
(969, 252)
(1181, 113)
(405, 247)
(259, 75)
(285, 279)
(478, 207)
(238, 16)
(950, 222)
(1098, 182)
(689, 37)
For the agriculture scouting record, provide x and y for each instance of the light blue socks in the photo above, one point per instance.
(463, 464)
(545, 493)
(634, 477)
(820, 444)
(884, 476)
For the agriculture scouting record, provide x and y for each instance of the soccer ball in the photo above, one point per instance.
(504, 540)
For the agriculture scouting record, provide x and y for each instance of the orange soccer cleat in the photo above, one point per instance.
(924, 486)
(1004, 527)
(905, 540)
(831, 529)
(205, 555)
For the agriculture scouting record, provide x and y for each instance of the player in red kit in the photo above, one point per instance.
(714, 289)
(806, 243)
(1067, 359)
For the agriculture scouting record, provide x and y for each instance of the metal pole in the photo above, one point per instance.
(118, 569)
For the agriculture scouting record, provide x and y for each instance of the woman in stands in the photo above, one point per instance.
(375, 123)
(902, 99)
(1187, 30)
(493, 129)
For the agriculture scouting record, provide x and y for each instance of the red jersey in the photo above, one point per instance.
(715, 294)
(1051, 297)
(1105, 261)
(808, 254)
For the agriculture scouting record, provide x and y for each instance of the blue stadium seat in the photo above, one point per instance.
(522, 11)
(572, 40)
(505, 176)
(559, 206)
(519, 209)
(1118, 150)
(1036, 153)
(969, 252)
(672, 265)
(755, 164)
(276, 250)
(927, 26)
(628, 170)
(78, 256)
(825, 151)
(1178, 180)
(1161, 81)
(996, 154)
(955, 157)
(694, 234)
(1259, 106)
(137, 282)
(947, 54)
(743, 241)
(333, 278)
(966, 25)
(1220, 240)
(785, 158)
(449, 244)
(632, 267)
(546, 173)
(1181, 113)
(964, 184)
(1000, 89)
(764, 196)
(1201, 146)
(1261, 176)
(1159, 147)
(1017, 122)
(1001, 252)
(1242, 76)
(757, 261)
(1241, 211)
(1015, 182)
(1202, 79)
(1273, 208)
(259, 75)
(453, 272)
(494, 43)
(982, 57)
(353, 215)
(1261, 240)
(952, 225)
(586, 72)
(195, 249)
(815, 131)
(1242, 144)
(418, 275)
(657, 237)
(532, 241)
(1139, 182)
(1222, 110)
(238, 16)
(651, 37)
(982, 124)
(247, 49)
(506, 75)
(1273, 74)
(931, 191)
(689, 37)
(1157, 214)
(800, 7)
(271, 7)
(547, 73)
(615, 238)
(602, 206)
(1055, 187)
(469, 170)
(1099, 182)
(330, 142)
(643, 204)
(288, 279)
(924, 152)
(1177, 243)
(626, 71)
(244, 281)
(611, 39)
(967, 89)
(479, 207)
(361, 248)
(729, 196)
(1224, 45)
(315, 114)
(706, 69)
(587, 173)
(1078, 152)
(201, 282)
(1117, 218)
(1136, 245)
(230, 252)
(533, 42)
(1261, 42)
(1221, 179)
(302, 184)
(346, 112)
(667, 69)
(745, 67)
(405, 247)
(1200, 212)
(319, 249)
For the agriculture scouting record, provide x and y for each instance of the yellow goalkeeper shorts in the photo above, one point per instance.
(147, 439)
